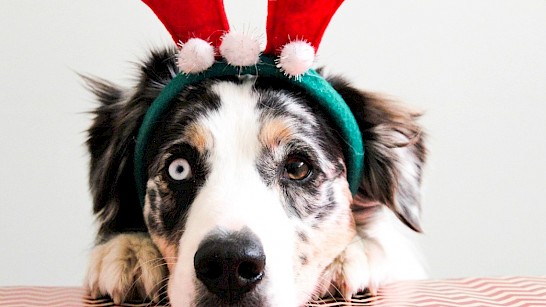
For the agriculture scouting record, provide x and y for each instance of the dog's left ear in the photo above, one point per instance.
(111, 143)
(394, 154)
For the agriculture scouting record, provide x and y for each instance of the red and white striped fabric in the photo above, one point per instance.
(41, 296)
(476, 292)
(482, 292)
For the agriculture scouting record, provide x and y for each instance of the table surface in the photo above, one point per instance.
(482, 292)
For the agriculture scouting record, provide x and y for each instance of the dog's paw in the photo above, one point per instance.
(128, 267)
(359, 267)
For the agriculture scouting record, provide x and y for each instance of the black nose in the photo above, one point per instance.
(230, 264)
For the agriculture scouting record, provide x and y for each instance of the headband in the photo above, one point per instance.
(201, 28)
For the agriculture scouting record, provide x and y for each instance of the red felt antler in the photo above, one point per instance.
(186, 19)
(294, 31)
(305, 20)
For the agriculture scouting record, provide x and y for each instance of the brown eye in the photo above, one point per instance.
(296, 168)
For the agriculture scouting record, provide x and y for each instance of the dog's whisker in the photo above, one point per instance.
(331, 296)
(162, 293)
(164, 299)
(161, 263)
(161, 290)
(316, 296)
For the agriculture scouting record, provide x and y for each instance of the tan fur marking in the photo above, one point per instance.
(167, 250)
(275, 132)
(199, 137)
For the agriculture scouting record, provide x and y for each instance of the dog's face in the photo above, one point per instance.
(247, 197)
(246, 177)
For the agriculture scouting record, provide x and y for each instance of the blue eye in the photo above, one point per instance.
(179, 169)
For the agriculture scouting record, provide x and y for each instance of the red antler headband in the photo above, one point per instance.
(294, 32)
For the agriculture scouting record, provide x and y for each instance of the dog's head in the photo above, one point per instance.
(247, 197)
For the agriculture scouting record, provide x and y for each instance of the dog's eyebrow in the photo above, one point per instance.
(276, 131)
(199, 137)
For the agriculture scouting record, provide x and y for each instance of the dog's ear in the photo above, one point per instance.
(394, 154)
(111, 143)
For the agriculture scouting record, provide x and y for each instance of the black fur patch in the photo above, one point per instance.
(304, 260)
(303, 236)
(387, 128)
(194, 102)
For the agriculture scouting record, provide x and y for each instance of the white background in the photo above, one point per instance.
(477, 69)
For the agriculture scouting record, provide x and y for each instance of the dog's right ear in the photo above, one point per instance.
(394, 154)
(111, 143)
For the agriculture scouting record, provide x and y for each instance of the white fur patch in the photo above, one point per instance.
(234, 196)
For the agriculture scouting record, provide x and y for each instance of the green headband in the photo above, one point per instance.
(313, 83)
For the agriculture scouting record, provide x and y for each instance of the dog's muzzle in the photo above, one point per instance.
(230, 264)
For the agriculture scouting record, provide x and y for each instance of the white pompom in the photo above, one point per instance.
(239, 49)
(196, 55)
(296, 58)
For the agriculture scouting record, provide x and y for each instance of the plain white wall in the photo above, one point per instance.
(478, 69)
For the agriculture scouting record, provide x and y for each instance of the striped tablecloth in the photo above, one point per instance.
(482, 292)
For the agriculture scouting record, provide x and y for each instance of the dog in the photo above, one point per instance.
(247, 201)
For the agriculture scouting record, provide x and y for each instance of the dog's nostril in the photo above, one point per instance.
(211, 270)
(250, 270)
(230, 265)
